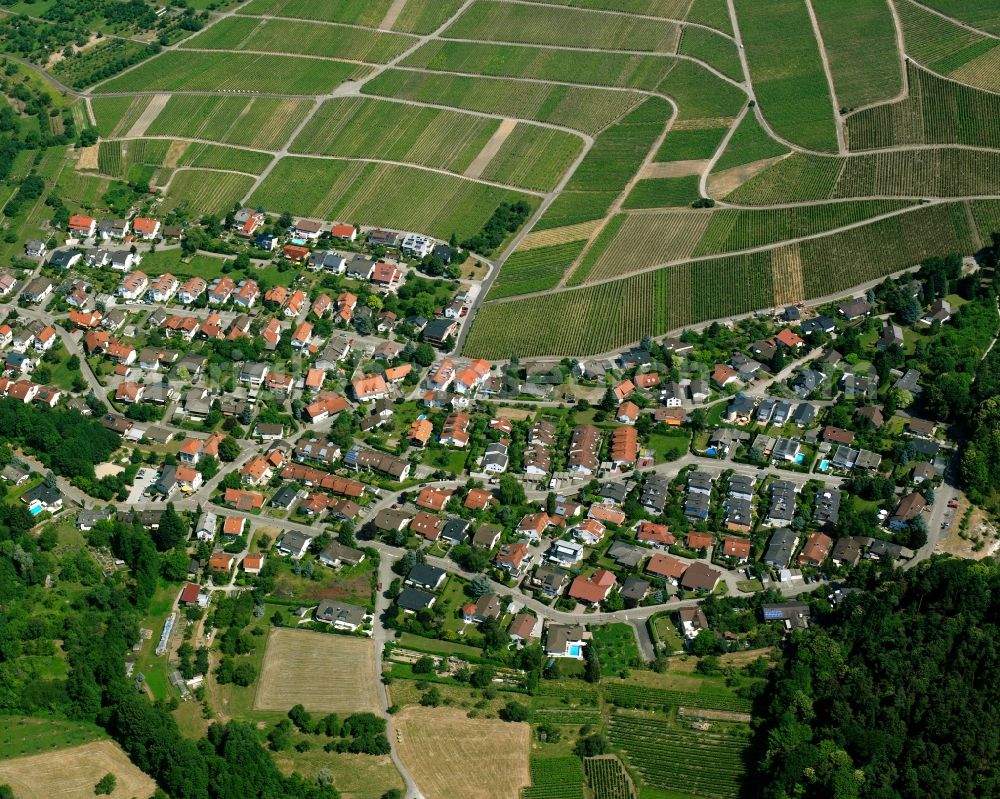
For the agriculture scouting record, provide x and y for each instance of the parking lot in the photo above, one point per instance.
(143, 480)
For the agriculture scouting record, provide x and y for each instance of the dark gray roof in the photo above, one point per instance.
(425, 575)
(780, 548)
(413, 599)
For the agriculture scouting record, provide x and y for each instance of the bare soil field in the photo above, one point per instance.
(324, 673)
(73, 773)
(454, 757)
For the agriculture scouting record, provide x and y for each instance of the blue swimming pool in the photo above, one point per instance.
(711, 451)
(575, 650)
(824, 465)
(34, 510)
(800, 458)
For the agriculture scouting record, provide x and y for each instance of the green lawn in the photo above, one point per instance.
(434, 646)
(667, 634)
(670, 446)
(616, 648)
(153, 667)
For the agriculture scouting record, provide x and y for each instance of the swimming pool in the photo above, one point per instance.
(824, 465)
(575, 650)
(712, 451)
(800, 458)
(34, 510)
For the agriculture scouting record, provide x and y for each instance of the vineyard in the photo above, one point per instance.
(261, 122)
(234, 72)
(860, 41)
(116, 115)
(214, 156)
(304, 38)
(701, 95)
(639, 241)
(787, 72)
(750, 143)
(943, 47)
(212, 193)
(574, 716)
(555, 778)
(978, 13)
(794, 179)
(663, 193)
(587, 320)
(526, 24)
(714, 50)
(608, 779)
(535, 270)
(624, 70)
(581, 108)
(533, 157)
(360, 127)
(369, 193)
(937, 111)
(119, 158)
(691, 762)
(731, 230)
(418, 16)
(629, 695)
(607, 168)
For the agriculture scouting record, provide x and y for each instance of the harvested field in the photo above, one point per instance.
(72, 773)
(443, 749)
(324, 673)
(559, 235)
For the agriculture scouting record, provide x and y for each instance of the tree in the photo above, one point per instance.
(423, 665)
(229, 449)
(614, 601)
(106, 784)
(513, 711)
(592, 746)
(511, 491)
(609, 401)
(482, 676)
(591, 664)
(424, 354)
(480, 586)
(171, 530)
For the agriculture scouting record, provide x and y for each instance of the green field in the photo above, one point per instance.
(210, 193)
(418, 16)
(535, 270)
(949, 49)
(107, 58)
(937, 111)
(578, 107)
(372, 194)
(259, 122)
(302, 38)
(713, 13)
(133, 159)
(361, 127)
(21, 736)
(533, 157)
(860, 41)
(663, 193)
(616, 648)
(242, 72)
(787, 72)
(566, 27)
(690, 144)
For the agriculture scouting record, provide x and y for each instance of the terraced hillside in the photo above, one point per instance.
(685, 160)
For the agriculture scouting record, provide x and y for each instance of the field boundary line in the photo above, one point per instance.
(955, 21)
(490, 149)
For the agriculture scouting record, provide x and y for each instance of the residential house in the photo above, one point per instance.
(700, 577)
(426, 577)
(780, 548)
(594, 589)
(816, 550)
(513, 558)
(294, 544)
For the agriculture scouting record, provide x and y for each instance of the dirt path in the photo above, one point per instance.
(392, 15)
(837, 119)
(674, 169)
(491, 148)
(152, 111)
